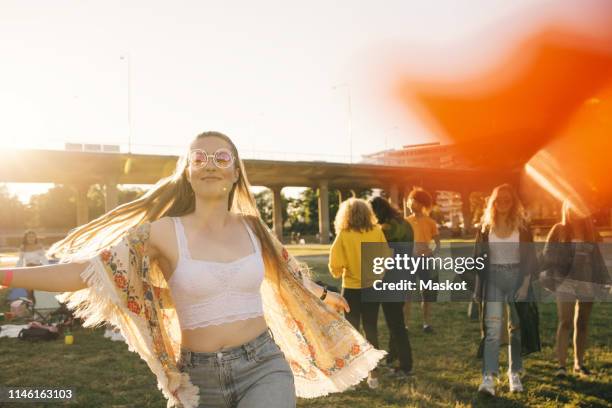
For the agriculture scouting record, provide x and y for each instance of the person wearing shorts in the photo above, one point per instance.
(425, 231)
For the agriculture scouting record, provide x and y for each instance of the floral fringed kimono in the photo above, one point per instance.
(325, 352)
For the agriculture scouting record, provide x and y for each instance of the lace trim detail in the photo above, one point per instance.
(223, 320)
(223, 308)
(221, 269)
(184, 252)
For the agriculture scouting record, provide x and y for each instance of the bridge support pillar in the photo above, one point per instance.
(277, 212)
(111, 194)
(393, 195)
(323, 212)
(82, 211)
(405, 195)
(466, 211)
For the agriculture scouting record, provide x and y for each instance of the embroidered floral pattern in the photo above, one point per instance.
(134, 306)
(308, 365)
(120, 281)
(105, 255)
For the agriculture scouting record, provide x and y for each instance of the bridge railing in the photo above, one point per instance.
(175, 150)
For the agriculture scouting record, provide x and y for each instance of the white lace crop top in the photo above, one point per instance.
(504, 250)
(211, 293)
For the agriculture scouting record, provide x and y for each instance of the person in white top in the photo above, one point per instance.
(31, 253)
(504, 241)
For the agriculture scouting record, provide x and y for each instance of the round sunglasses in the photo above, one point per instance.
(222, 158)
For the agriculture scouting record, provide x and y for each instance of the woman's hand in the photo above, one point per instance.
(337, 302)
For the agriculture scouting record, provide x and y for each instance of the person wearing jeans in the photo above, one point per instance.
(505, 243)
(400, 236)
(240, 376)
(501, 289)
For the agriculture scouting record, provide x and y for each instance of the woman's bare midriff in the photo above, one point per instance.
(209, 339)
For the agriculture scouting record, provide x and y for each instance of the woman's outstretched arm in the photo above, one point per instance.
(61, 277)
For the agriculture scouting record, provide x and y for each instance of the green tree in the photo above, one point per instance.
(263, 199)
(303, 212)
(95, 201)
(265, 205)
(13, 212)
(55, 209)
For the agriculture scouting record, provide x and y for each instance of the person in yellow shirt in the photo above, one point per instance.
(356, 223)
(425, 231)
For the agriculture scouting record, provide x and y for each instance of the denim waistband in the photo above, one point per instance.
(247, 349)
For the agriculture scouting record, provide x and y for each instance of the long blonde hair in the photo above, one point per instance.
(171, 196)
(516, 218)
(569, 217)
(355, 214)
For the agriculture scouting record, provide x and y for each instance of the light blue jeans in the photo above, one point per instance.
(253, 375)
(502, 284)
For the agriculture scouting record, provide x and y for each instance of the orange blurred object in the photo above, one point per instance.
(547, 108)
(577, 165)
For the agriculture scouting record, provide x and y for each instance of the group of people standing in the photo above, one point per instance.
(504, 285)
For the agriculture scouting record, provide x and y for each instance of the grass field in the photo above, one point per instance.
(447, 374)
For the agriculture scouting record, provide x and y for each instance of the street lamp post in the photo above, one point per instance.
(350, 116)
(129, 99)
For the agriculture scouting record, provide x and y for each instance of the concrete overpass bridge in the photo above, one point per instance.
(82, 169)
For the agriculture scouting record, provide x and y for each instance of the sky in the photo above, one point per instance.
(287, 80)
